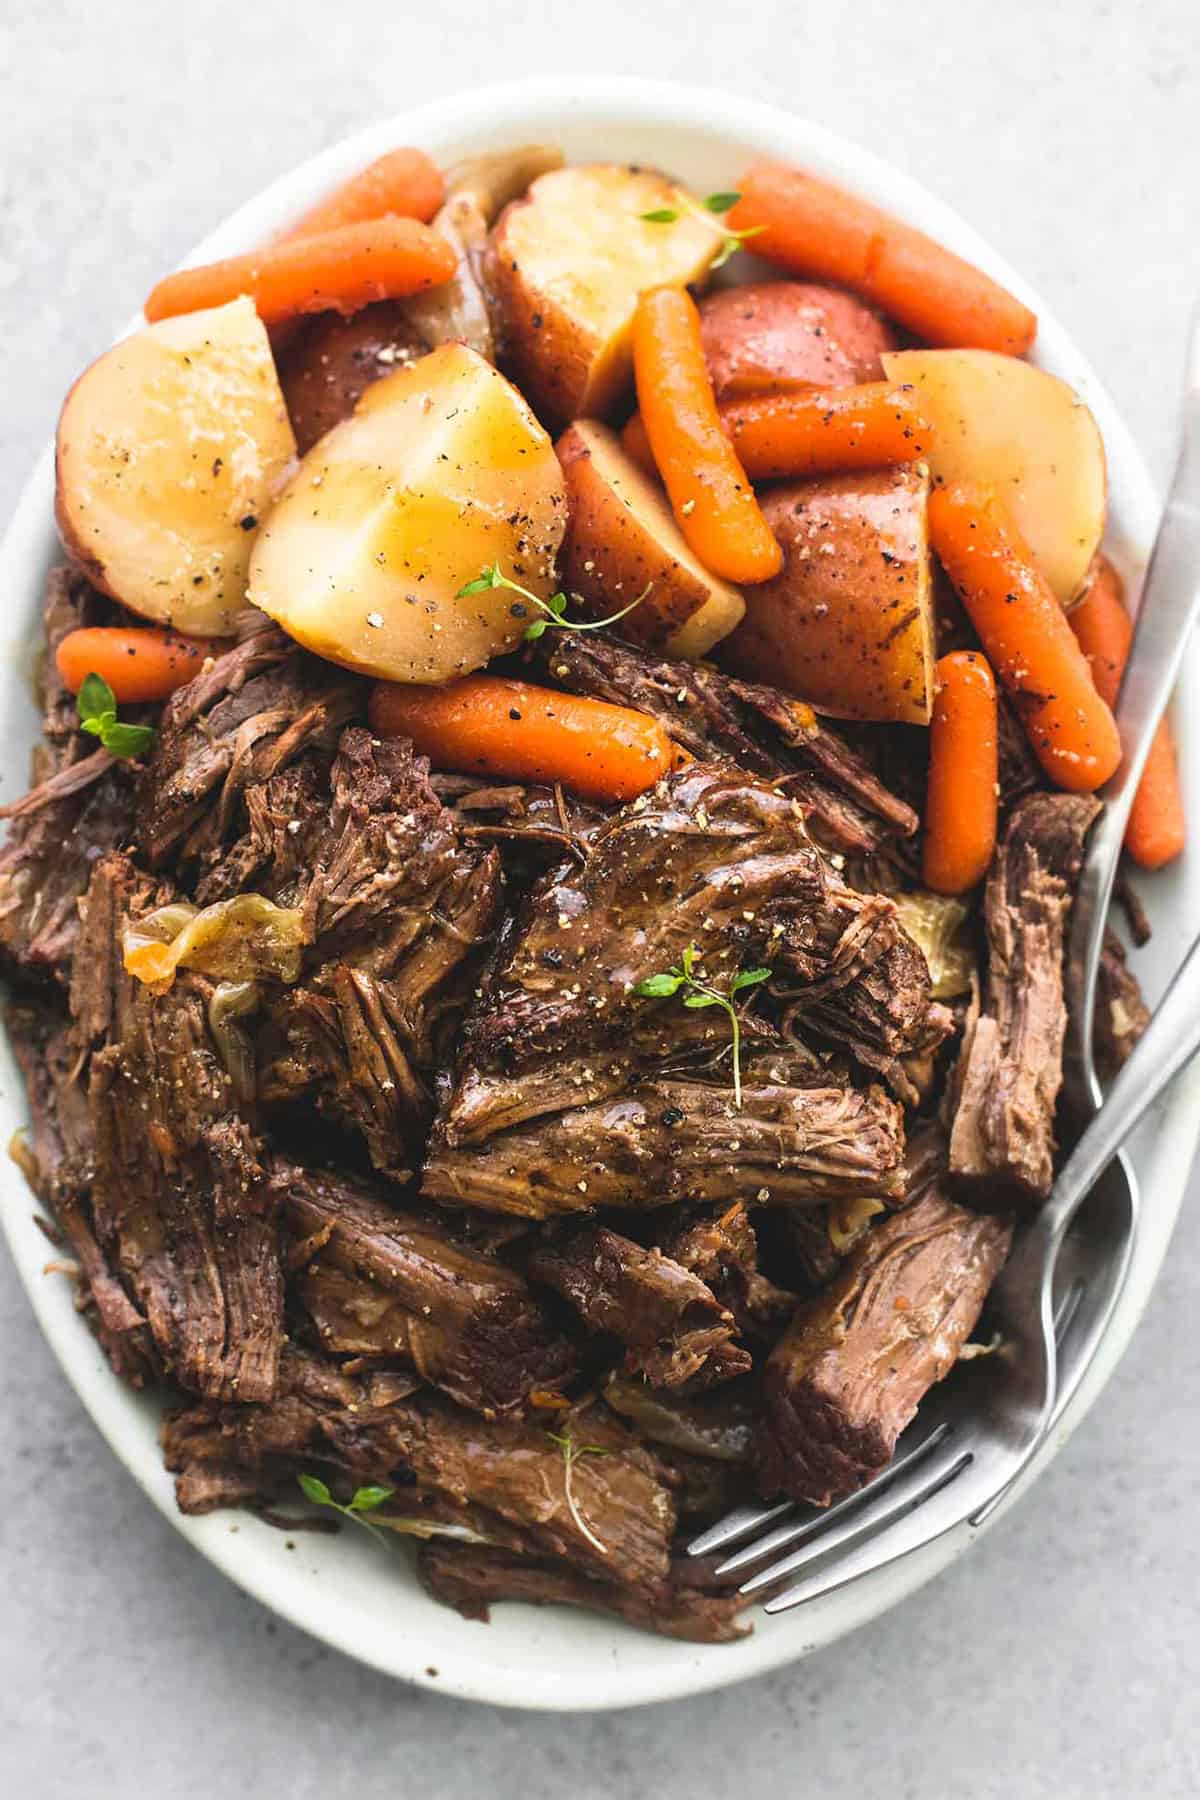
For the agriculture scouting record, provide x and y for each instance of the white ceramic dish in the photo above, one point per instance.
(342, 1590)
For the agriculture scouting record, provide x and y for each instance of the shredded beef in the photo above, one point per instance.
(764, 731)
(677, 1139)
(668, 1320)
(380, 1282)
(472, 1577)
(177, 1196)
(1010, 1067)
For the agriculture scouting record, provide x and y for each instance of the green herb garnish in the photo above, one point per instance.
(718, 204)
(365, 1500)
(96, 705)
(554, 608)
(698, 993)
(571, 1453)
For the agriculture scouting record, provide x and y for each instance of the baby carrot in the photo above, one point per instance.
(812, 431)
(1157, 827)
(143, 663)
(708, 489)
(1025, 635)
(822, 431)
(340, 270)
(489, 725)
(812, 228)
(405, 182)
(961, 797)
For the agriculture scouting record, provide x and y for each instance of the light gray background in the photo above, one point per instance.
(1060, 1658)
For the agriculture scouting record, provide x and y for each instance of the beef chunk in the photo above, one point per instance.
(761, 729)
(397, 908)
(710, 858)
(79, 808)
(47, 861)
(665, 1316)
(677, 1139)
(606, 1509)
(261, 707)
(1010, 1067)
(473, 1577)
(378, 1282)
(848, 1376)
(224, 1455)
(1121, 1012)
(59, 1170)
(178, 1198)
(532, 824)
(720, 1245)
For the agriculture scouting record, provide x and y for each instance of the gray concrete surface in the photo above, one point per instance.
(1060, 1659)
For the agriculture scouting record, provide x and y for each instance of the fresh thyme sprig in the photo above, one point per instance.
(571, 1453)
(699, 993)
(554, 607)
(365, 1500)
(713, 204)
(96, 705)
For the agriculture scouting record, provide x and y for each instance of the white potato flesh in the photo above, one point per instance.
(169, 448)
(568, 264)
(441, 472)
(1000, 420)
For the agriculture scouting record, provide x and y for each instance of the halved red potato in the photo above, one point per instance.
(169, 448)
(567, 265)
(848, 622)
(441, 472)
(771, 334)
(622, 541)
(1000, 420)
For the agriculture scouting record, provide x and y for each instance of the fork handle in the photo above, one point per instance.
(1167, 614)
(1170, 1040)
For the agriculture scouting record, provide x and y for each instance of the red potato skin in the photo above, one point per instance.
(772, 334)
(846, 624)
(327, 364)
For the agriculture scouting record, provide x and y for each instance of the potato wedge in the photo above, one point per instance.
(567, 265)
(1002, 421)
(772, 334)
(441, 471)
(848, 623)
(622, 539)
(168, 449)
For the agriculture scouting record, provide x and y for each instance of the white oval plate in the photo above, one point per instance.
(346, 1591)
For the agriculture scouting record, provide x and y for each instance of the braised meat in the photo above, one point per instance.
(396, 907)
(847, 1377)
(259, 708)
(710, 859)
(178, 1196)
(474, 1577)
(1010, 1067)
(764, 731)
(668, 1320)
(80, 806)
(378, 1282)
(720, 1245)
(1121, 1013)
(679, 1139)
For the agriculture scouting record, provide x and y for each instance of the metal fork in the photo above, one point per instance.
(976, 1432)
(937, 1449)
